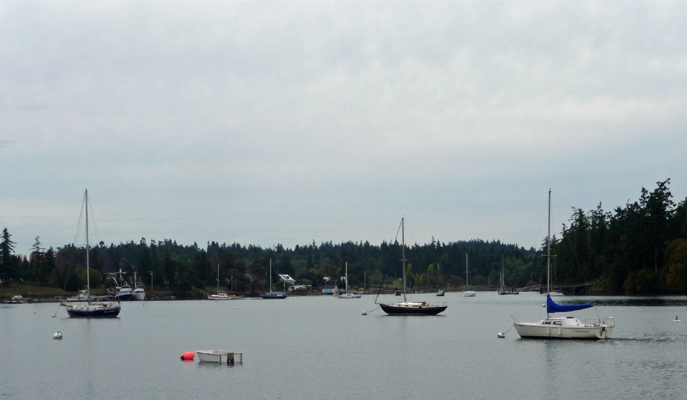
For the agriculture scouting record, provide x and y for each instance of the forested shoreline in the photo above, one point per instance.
(640, 248)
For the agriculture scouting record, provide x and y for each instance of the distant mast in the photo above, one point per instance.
(88, 269)
(548, 250)
(403, 257)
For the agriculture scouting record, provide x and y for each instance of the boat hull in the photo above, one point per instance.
(584, 332)
(469, 293)
(138, 295)
(91, 311)
(274, 296)
(400, 309)
(219, 356)
(350, 296)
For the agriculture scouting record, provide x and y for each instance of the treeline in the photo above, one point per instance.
(245, 269)
(637, 249)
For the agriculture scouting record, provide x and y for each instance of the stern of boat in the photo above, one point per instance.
(606, 328)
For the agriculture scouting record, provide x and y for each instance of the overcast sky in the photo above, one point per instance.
(263, 122)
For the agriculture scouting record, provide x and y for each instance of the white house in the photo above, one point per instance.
(286, 278)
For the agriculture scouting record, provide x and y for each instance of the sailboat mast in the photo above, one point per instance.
(346, 276)
(270, 274)
(548, 250)
(503, 273)
(217, 278)
(467, 277)
(88, 269)
(403, 257)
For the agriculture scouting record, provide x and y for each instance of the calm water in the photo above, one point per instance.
(322, 347)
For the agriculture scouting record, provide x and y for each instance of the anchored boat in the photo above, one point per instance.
(563, 327)
(406, 307)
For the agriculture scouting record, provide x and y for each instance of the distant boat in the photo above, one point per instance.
(274, 295)
(563, 327)
(17, 299)
(346, 294)
(503, 290)
(271, 294)
(138, 293)
(82, 296)
(440, 291)
(406, 307)
(122, 290)
(90, 308)
(220, 295)
(467, 292)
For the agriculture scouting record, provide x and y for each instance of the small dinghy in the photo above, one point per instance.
(57, 335)
(220, 356)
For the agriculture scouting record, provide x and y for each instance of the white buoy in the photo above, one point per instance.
(501, 335)
(57, 335)
(364, 312)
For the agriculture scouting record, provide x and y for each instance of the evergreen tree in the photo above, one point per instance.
(9, 264)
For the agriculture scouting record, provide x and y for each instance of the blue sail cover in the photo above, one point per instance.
(552, 307)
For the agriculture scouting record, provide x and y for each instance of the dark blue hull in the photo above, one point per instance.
(93, 312)
(427, 310)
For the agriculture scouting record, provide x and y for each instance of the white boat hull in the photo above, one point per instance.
(469, 293)
(350, 296)
(138, 295)
(220, 356)
(222, 296)
(571, 328)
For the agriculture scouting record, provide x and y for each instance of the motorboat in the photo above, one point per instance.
(122, 291)
(222, 296)
(138, 293)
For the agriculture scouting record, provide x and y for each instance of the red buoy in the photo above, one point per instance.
(188, 356)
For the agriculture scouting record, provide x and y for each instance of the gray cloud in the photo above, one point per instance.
(286, 122)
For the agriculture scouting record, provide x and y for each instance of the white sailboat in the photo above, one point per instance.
(406, 307)
(220, 295)
(563, 327)
(467, 292)
(88, 307)
(346, 294)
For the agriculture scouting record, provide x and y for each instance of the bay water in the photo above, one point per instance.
(321, 347)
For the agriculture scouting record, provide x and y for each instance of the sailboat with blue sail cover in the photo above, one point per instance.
(563, 327)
